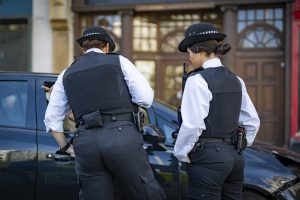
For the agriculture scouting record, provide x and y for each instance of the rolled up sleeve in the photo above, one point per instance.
(248, 116)
(57, 107)
(141, 92)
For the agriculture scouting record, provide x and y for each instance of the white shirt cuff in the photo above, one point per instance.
(57, 127)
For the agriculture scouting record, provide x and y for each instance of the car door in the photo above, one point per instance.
(18, 150)
(165, 118)
(165, 166)
(56, 173)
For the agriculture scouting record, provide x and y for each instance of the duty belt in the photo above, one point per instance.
(202, 140)
(117, 117)
(96, 119)
(207, 139)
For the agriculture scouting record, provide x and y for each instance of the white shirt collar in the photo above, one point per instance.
(215, 62)
(95, 50)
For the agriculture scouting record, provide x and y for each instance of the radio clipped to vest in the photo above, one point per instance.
(239, 139)
(138, 118)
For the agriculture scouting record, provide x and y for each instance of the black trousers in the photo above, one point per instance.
(112, 164)
(216, 172)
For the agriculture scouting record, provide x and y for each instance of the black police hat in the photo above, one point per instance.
(98, 33)
(200, 32)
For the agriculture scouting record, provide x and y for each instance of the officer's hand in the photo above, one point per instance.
(70, 150)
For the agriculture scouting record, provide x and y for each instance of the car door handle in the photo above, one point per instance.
(59, 157)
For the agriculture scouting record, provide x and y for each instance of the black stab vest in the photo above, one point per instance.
(96, 82)
(225, 106)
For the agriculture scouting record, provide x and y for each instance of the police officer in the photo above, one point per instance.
(102, 90)
(214, 103)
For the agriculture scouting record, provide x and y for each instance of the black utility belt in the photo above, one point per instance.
(96, 118)
(204, 140)
(117, 117)
(238, 139)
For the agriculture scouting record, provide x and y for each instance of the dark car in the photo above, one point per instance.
(31, 169)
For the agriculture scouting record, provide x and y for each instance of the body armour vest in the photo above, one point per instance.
(225, 106)
(96, 82)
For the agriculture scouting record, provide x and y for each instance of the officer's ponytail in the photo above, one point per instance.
(210, 46)
(222, 49)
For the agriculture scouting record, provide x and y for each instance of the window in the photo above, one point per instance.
(14, 33)
(173, 84)
(13, 103)
(271, 16)
(168, 128)
(147, 68)
(112, 23)
(260, 37)
(145, 34)
(164, 32)
(261, 28)
(164, 123)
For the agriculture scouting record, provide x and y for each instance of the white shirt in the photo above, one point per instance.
(194, 112)
(140, 90)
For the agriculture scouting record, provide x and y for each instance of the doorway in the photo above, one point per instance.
(263, 74)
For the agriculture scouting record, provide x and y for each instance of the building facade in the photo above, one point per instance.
(15, 32)
(259, 31)
(36, 35)
(264, 35)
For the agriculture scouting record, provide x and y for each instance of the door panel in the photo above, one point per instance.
(263, 76)
(18, 152)
(57, 177)
(165, 166)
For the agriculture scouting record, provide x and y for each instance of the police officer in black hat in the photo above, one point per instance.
(103, 91)
(215, 102)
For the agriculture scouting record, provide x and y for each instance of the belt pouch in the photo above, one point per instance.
(92, 120)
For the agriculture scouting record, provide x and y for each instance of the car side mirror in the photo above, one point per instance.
(153, 134)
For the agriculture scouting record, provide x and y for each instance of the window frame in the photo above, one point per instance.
(30, 121)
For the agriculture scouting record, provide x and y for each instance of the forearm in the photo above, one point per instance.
(60, 138)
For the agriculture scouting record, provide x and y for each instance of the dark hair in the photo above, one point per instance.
(210, 46)
(88, 44)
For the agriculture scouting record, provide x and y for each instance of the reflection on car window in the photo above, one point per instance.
(165, 125)
(146, 117)
(168, 128)
(13, 103)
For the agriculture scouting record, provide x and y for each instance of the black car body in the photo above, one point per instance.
(31, 169)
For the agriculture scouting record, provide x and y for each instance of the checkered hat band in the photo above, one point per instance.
(92, 34)
(203, 33)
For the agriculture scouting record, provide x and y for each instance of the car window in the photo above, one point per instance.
(168, 128)
(13, 103)
(165, 125)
